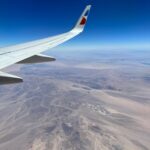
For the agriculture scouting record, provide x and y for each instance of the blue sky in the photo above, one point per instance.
(111, 24)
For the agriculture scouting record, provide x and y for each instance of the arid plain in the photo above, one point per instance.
(95, 100)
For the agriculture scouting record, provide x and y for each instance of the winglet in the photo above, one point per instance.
(79, 27)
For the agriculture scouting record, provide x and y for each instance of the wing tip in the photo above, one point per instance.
(79, 27)
(89, 6)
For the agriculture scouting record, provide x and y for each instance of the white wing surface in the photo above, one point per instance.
(30, 52)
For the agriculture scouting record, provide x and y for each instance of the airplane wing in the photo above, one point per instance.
(31, 52)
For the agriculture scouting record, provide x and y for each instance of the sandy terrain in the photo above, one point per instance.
(102, 104)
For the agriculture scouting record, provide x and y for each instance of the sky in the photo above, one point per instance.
(111, 24)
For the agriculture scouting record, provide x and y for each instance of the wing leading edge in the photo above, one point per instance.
(19, 53)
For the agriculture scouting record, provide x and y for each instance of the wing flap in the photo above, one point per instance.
(6, 78)
(37, 59)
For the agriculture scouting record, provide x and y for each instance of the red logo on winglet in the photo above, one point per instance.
(83, 21)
